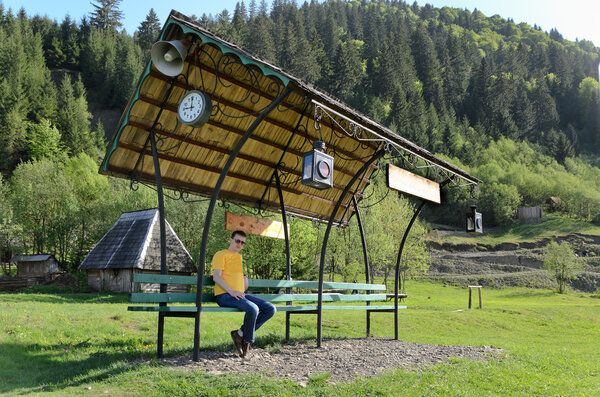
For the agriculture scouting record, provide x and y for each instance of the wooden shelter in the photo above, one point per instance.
(132, 245)
(36, 266)
(250, 151)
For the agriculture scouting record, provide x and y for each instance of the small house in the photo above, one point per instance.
(36, 266)
(131, 246)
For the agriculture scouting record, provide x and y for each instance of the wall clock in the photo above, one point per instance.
(194, 108)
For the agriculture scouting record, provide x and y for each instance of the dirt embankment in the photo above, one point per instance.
(511, 264)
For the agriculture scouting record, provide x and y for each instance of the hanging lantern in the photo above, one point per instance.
(474, 221)
(317, 167)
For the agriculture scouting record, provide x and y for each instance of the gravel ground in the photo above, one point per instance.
(343, 359)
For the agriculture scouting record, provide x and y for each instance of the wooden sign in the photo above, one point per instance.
(412, 184)
(252, 225)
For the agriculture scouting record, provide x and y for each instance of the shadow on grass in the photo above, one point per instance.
(40, 368)
(37, 368)
(99, 297)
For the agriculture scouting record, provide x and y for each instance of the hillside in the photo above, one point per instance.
(508, 257)
(509, 103)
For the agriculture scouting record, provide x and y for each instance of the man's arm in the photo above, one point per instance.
(218, 279)
(245, 283)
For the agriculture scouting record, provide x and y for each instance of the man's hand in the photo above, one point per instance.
(218, 278)
(237, 294)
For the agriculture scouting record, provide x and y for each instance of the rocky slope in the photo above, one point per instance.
(510, 264)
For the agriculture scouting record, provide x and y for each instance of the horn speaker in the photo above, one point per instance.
(168, 56)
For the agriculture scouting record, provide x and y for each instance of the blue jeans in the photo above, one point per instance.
(258, 311)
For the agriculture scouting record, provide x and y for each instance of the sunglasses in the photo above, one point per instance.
(238, 241)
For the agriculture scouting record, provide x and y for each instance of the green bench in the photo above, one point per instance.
(288, 302)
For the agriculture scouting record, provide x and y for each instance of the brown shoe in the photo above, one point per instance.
(245, 348)
(237, 341)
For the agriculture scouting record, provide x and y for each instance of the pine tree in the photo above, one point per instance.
(106, 15)
(74, 118)
(428, 67)
(148, 31)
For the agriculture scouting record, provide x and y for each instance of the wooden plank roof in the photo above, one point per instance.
(133, 242)
(240, 86)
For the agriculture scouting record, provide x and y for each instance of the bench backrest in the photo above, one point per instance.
(158, 297)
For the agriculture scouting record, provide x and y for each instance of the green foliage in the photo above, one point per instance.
(561, 263)
(500, 202)
(45, 142)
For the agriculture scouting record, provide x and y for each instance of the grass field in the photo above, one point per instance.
(62, 344)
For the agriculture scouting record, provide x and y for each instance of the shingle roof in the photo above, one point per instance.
(31, 258)
(134, 242)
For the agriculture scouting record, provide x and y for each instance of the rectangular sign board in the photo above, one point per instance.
(252, 225)
(412, 184)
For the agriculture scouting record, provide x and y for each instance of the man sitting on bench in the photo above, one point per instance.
(230, 284)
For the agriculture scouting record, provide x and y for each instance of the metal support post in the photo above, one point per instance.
(211, 209)
(288, 256)
(375, 157)
(397, 278)
(163, 239)
(365, 256)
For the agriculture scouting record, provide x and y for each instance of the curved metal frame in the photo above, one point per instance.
(375, 157)
(365, 256)
(288, 256)
(397, 276)
(211, 208)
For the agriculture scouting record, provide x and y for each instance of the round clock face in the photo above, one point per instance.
(323, 169)
(194, 109)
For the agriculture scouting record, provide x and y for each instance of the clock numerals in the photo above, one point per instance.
(194, 109)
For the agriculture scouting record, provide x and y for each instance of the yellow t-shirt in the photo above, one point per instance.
(233, 274)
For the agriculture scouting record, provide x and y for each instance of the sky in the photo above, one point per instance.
(572, 18)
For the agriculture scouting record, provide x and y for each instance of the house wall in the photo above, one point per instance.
(115, 280)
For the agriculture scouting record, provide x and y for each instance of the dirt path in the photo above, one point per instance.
(343, 359)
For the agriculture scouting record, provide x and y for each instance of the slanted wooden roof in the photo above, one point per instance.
(241, 85)
(134, 242)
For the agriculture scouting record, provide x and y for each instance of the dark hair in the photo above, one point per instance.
(239, 233)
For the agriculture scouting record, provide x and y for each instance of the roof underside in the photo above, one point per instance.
(241, 86)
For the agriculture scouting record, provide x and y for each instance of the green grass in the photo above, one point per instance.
(554, 225)
(61, 344)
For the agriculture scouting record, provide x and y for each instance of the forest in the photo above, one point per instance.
(513, 105)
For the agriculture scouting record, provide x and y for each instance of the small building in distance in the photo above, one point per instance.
(529, 214)
(132, 246)
(42, 266)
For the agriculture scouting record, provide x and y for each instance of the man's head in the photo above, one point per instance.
(237, 241)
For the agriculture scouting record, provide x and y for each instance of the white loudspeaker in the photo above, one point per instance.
(168, 56)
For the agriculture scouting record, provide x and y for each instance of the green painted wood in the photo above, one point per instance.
(315, 297)
(146, 297)
(168, 297)
(169, 279)
(255, 283)
(192, 309)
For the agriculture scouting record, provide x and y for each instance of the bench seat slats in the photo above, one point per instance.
(192, 309)
(255, 283)
(141, 297)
